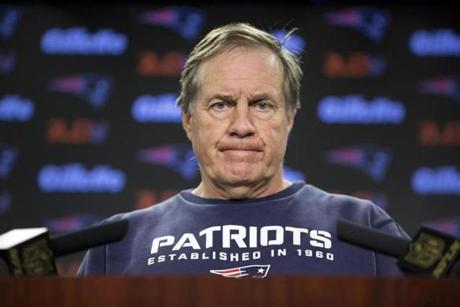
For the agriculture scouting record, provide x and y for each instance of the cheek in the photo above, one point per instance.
(274, 137)
(207, 134)
(275, 140)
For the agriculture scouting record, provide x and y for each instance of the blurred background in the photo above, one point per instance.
(89, 126)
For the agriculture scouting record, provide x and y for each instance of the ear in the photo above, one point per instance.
(186, 124)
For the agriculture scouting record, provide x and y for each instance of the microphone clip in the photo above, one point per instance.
(432, 253)
(26, 252)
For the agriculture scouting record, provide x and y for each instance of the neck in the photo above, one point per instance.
(212, 190)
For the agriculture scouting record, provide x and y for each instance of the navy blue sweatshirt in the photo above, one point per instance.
(291, 232)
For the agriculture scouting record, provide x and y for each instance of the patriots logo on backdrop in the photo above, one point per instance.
(72, 222)
(178, 157)
(294, 43)
(5, 201)
(293, 174)
(9, 18)
(254, 271)
(7, 61)
(186, 21)
(443, 86)
(8, 156)
(450, 225)
(368, 158)
(369, 21)
(94, 88)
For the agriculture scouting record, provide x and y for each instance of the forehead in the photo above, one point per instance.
(242, 69)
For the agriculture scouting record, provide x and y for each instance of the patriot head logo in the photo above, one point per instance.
(369, 21)
(293, 174)
(368, 158)
(7, 61)
(178, 157)
(442, 86)
(254, 271)
(186, 21)
(294, 43)
(8, 156)
(450, 225)
(93, 88)
(5, 201)
(72, 222)
(9, 18)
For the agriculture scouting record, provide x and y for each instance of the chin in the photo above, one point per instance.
(242, 174)
(241, 180)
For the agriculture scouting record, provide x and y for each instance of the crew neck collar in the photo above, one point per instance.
(290, 190)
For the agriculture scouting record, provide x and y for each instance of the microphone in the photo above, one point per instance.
(31, 252)
(430, 252)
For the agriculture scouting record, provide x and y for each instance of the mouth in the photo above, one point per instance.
(240, 153)
(240, 148)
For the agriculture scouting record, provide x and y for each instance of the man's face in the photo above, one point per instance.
(239, 125)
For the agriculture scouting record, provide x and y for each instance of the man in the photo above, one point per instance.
(239, 96)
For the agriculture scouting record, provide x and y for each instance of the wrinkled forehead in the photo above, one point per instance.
(226, 64)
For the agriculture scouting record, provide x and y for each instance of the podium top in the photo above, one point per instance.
(218, 291)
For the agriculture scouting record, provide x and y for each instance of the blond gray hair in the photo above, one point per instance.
(236, 35)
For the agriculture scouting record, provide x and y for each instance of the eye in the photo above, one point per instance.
(219, 106)
(263, 105)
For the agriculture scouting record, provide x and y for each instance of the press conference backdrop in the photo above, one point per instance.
(89, 125)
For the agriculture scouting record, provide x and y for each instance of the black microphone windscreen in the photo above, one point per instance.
(371, 239)
(90, 237)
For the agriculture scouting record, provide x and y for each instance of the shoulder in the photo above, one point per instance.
(152, 212)
(322, 197)
(355, 209)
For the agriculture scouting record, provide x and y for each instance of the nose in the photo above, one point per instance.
(241, 123)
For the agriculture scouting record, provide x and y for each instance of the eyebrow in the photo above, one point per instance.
(226, 98)
(230, 98)
(223, 97)
(262, 96)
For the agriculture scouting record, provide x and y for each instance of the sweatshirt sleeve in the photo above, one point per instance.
(94, 262)
(95, 259)
(379, 219)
